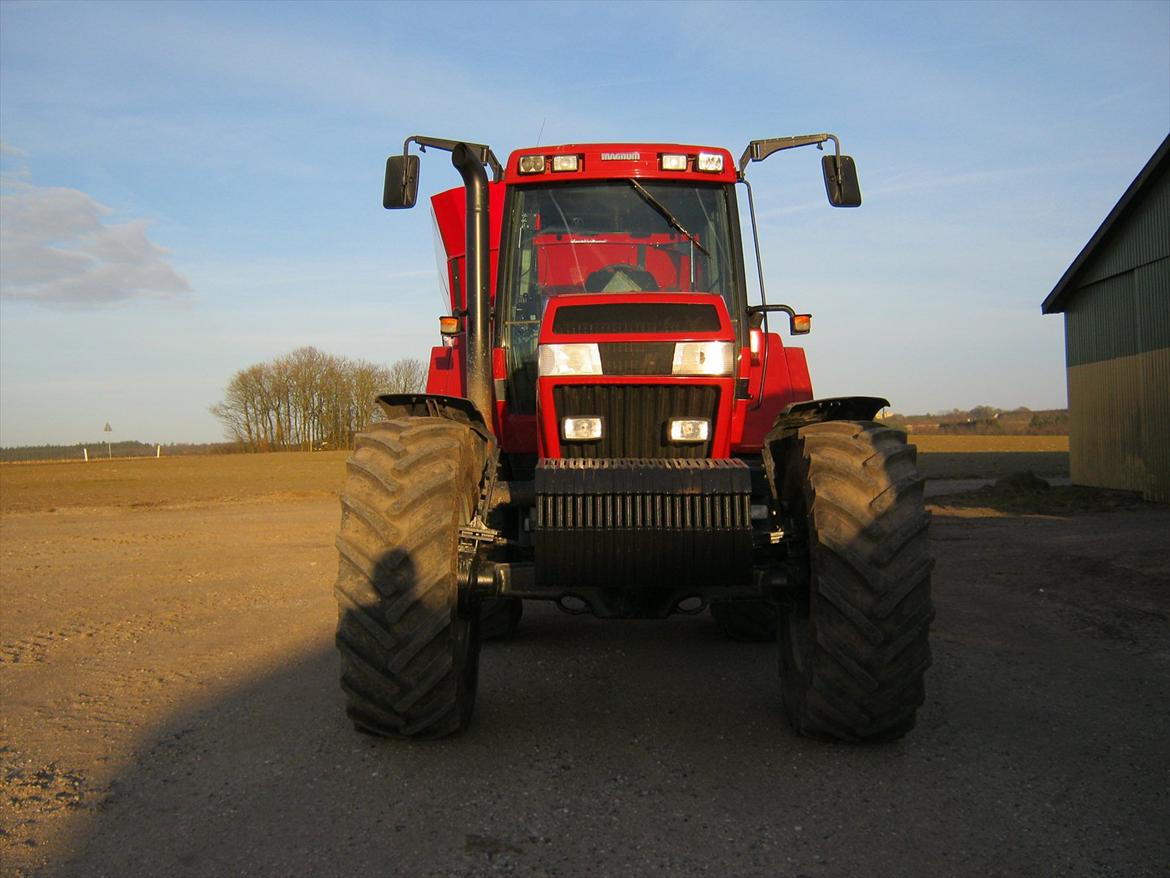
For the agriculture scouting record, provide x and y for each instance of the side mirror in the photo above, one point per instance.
(401, 189)
(841, 181)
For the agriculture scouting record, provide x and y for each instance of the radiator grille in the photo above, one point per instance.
(637, 317)
(635, 417)
(637, 358)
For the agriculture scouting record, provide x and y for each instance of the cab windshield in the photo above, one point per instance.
(617, 236)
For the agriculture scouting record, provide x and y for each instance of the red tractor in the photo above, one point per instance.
(609, 425)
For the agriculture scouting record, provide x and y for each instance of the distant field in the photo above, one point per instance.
(29, 487)
(932, 443)
(988, 457)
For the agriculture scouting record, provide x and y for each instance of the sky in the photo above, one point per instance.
(191, 188)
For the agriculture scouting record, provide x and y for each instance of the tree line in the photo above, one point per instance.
(308, 399)
(987, 420)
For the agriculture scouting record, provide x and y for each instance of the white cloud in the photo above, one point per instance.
(57, 250)
(9, 149)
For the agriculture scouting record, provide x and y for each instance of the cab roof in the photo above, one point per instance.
(600, 161)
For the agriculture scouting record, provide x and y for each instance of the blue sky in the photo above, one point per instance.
(192, 188)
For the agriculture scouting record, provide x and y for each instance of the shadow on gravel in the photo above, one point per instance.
(1024, 493)
(575, 720)
(636, 748)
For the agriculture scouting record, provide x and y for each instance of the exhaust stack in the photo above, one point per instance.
(479, 384)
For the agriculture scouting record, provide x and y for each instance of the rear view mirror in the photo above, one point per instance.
(841, 181)
(401, 189)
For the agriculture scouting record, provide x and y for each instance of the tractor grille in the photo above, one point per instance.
(635, 317)
(637, 358)
(635, 417)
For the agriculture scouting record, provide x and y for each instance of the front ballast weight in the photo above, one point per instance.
(639, 538)
(626, 538)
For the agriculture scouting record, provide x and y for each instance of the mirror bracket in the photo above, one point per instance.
(758, 150)
(840, 172)
(798, 324)
(480, 151)
(401, 186)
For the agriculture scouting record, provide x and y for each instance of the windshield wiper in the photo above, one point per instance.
(667, 215)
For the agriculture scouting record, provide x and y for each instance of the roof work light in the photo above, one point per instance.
(709, 162)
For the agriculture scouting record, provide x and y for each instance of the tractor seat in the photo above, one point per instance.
(621, 278)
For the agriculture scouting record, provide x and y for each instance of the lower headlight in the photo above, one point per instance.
(689, 429)
(581, 429)
(569, 359)
(703, 358)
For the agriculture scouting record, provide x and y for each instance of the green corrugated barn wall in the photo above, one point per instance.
(1117, 343)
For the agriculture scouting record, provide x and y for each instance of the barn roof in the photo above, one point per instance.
(1057, 301)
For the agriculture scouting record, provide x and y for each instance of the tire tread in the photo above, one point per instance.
(858, 673)
(408, 656)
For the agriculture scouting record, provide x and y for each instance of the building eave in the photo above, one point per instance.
(1057, 301)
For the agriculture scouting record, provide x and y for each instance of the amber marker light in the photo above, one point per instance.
(801, 324)
(448, 326)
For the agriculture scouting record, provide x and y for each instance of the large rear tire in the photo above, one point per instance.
(854, 649)
(409, 651)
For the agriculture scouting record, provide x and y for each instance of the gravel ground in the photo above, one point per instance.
(170, 707)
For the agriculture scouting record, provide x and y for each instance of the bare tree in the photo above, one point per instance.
(408, 376)
(309, 399)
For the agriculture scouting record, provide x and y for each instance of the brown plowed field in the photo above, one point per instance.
(170, 706)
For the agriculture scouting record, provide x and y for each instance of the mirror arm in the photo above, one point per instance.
(764, 309)
(756, 242)
(758, 150)
(481, 152)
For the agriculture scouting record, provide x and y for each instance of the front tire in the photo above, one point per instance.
(409, 651)
(855, 647)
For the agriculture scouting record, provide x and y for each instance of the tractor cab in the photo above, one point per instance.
(631, 264)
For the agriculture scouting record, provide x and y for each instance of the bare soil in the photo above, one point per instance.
(170, 706)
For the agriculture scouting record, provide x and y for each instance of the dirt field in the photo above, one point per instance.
(986, 457)
(170, 706)
(169, 481)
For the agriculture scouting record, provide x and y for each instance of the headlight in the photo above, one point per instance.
(569, 359)
(581, 429)
(703, 358)
(689, 429)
